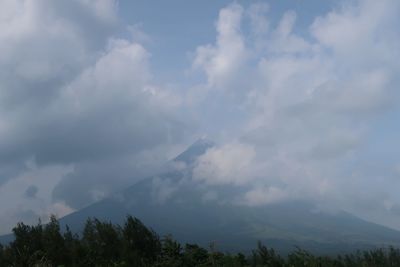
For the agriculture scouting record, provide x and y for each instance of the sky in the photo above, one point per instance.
(301, 98)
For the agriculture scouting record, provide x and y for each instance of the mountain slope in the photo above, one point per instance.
(171, 203)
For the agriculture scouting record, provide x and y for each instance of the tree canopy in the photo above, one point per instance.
(102, 243)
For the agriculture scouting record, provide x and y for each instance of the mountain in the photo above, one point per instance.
(172, 203)
(198, 148)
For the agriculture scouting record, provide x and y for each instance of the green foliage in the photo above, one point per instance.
(101, 243)
(266, 257)
(53, 243)
(141, 246)
(171, 253)
(27, 249)
(106, 244)
(194, 254)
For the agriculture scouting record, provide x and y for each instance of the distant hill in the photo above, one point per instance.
(171, 203)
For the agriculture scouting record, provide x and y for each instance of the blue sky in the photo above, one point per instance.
(176, 27)
(300, 96)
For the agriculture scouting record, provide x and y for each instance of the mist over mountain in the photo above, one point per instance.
(173, 203)
(299, 102)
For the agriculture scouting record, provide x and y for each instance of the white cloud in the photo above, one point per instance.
(264, 196)
(74, 93)
(301, 106)
(162, 190)
(283, 40)
(309, 101)
(222, 61)
(360, 33)
(15, 202)
(229, 164)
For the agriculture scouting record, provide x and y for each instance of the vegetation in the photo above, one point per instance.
(133, 244)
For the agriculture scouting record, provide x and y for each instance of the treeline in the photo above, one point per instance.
(133, 244)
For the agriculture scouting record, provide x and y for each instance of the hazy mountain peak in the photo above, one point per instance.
(195, 150)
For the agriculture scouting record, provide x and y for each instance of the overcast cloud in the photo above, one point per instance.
(309, 104)
(297, 112)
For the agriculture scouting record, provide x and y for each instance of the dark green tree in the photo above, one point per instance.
(53, 243)
(101, 242)
(141, 245)
(27, 248)
(194, 254)
(171, 253)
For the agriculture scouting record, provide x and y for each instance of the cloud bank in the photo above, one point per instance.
(298, 115)
(308, 104)
(78, 107)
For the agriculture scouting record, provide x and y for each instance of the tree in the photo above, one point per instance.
(73, 249)
(141, 246)
(194, 255)
(53, 242)
(171, 253)
(102, 243)
(27, 248)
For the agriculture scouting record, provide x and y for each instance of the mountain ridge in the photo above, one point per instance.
(171, 203)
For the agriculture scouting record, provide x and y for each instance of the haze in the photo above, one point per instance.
(300, 97)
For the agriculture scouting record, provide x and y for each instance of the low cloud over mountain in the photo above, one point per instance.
(302, 105)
